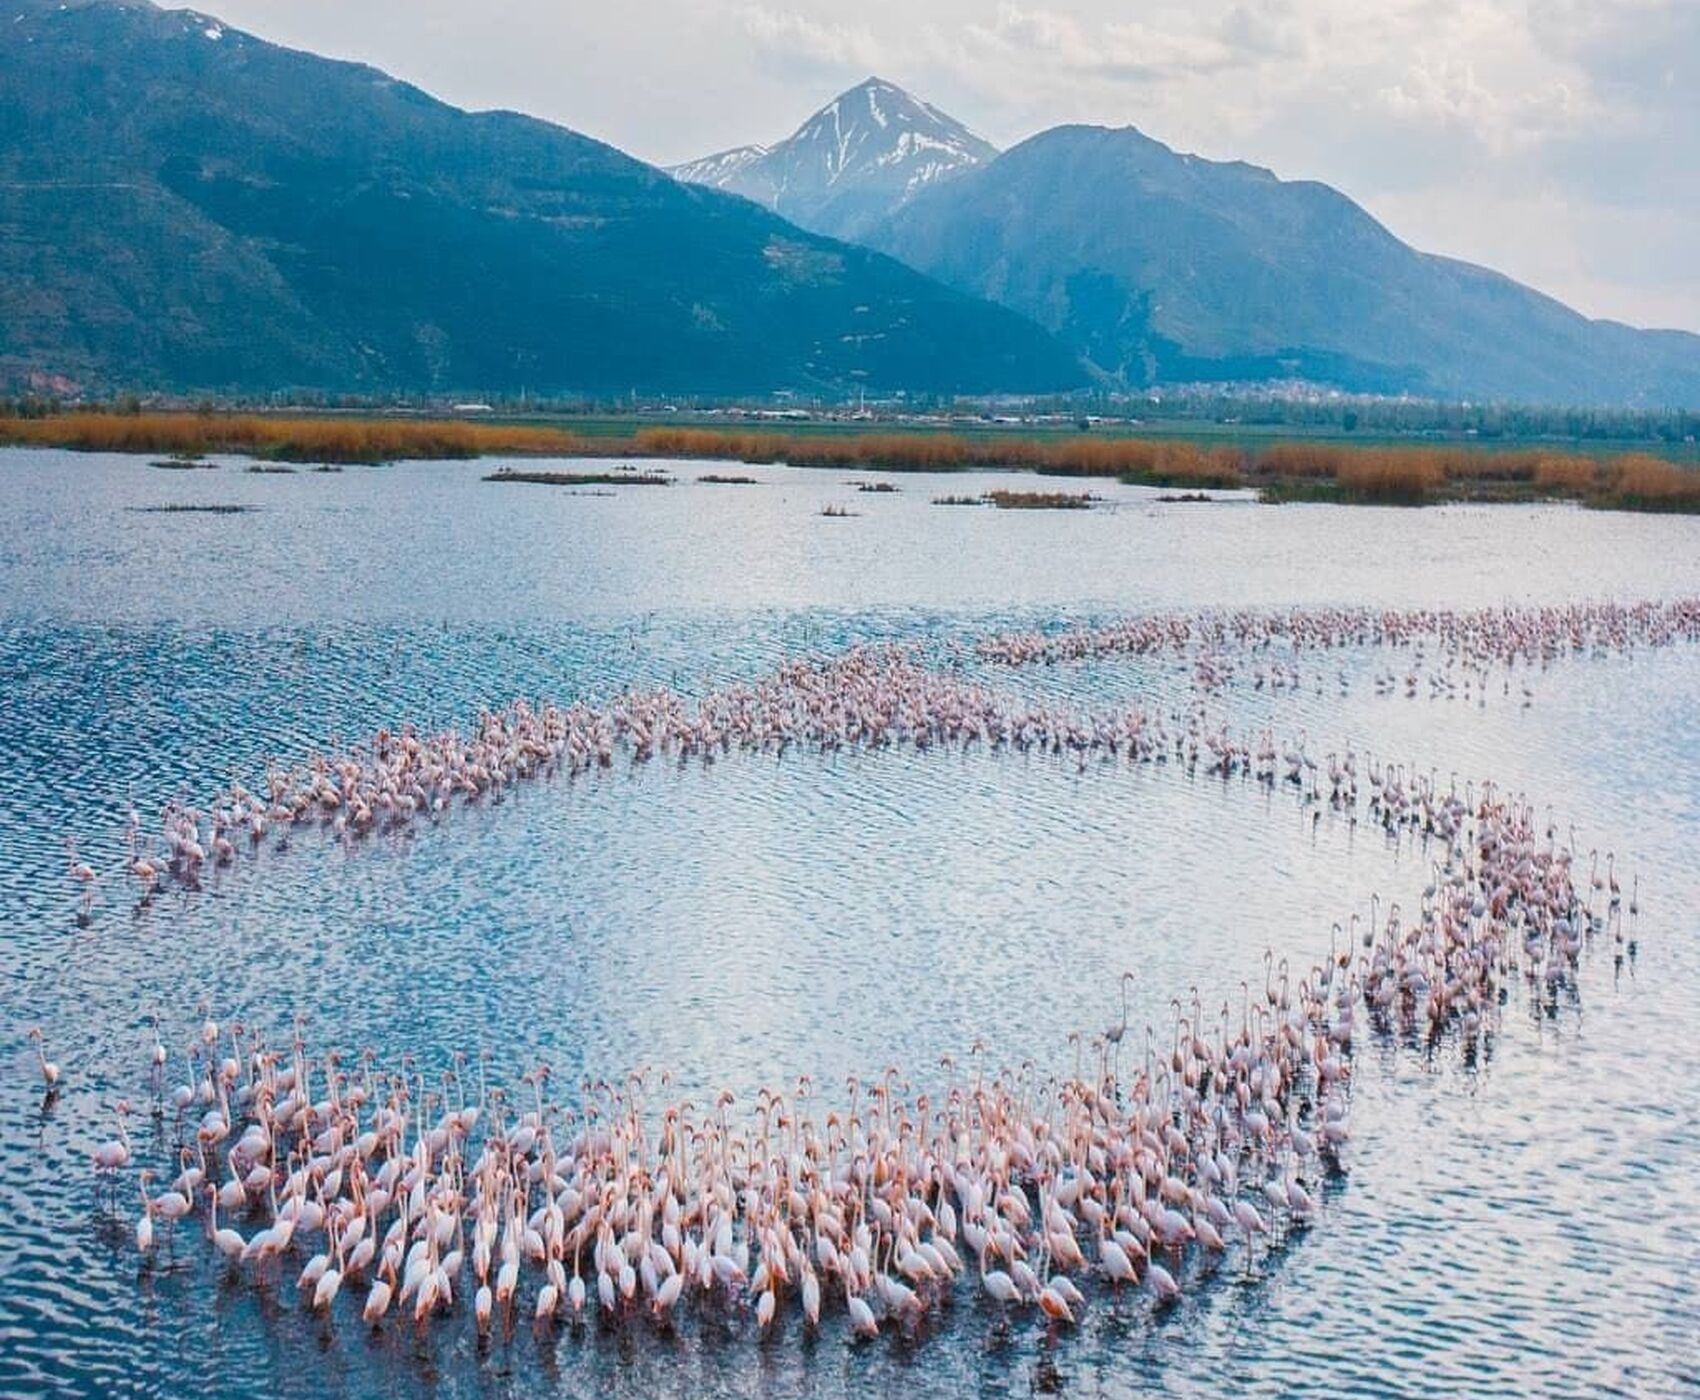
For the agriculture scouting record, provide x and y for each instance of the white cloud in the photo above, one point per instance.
(789, 36)
(1504, 121)
(1125, 49)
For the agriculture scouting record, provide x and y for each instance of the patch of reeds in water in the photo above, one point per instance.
(722, 479)
(1042, 500)
(192, 510)
(622, 477)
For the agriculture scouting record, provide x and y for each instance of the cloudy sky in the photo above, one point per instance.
(1557, 140)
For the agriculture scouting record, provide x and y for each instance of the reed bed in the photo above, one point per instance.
(283, 439)
(1147, 462)
(1394, 479)
(1567, 476)
(913, 452)
(1418, 475)
(1641, 482)
(1394, 475)
(1140, 459)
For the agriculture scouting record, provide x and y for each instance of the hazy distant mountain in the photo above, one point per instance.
(856, 160)
(183, 205)
(1162, 266)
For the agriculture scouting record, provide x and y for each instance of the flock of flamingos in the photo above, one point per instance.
(1141, 1168)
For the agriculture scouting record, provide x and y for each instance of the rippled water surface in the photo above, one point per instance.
(1528, 1221)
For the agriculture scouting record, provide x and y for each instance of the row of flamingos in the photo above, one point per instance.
(1481, 638)
(869, 698)
(1447, 654)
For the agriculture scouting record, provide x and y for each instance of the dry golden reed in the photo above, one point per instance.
(943, 452)
(1567, 476)
(1651, 483)
(285, 439)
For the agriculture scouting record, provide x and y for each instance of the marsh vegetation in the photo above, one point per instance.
(622, 477)
(1291, 470)
(1042, 500)
(176, 509)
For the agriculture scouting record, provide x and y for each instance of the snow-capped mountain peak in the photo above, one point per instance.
(856, 160)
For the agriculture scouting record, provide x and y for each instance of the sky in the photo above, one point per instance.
(1555, 140)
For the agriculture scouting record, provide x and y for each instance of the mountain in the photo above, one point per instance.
(1160, 266)
(720, 169)
(860, 157)
(185, 206)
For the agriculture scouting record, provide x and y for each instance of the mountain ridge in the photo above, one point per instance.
(186, 206)
(1161, 266)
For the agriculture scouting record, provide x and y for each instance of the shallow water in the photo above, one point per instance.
(1523, 1223)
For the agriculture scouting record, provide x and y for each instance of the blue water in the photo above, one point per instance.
(1525, 1223)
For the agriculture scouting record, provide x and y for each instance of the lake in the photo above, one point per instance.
(1526, 1219)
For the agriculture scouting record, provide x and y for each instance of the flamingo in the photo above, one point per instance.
(49, 1070)
(378, 1300)
(144, 1226)
(1162, 1282)
(111, 1156)
(84, 875)
(228, 1243)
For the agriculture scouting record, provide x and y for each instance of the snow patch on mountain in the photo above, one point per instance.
(718, 168)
